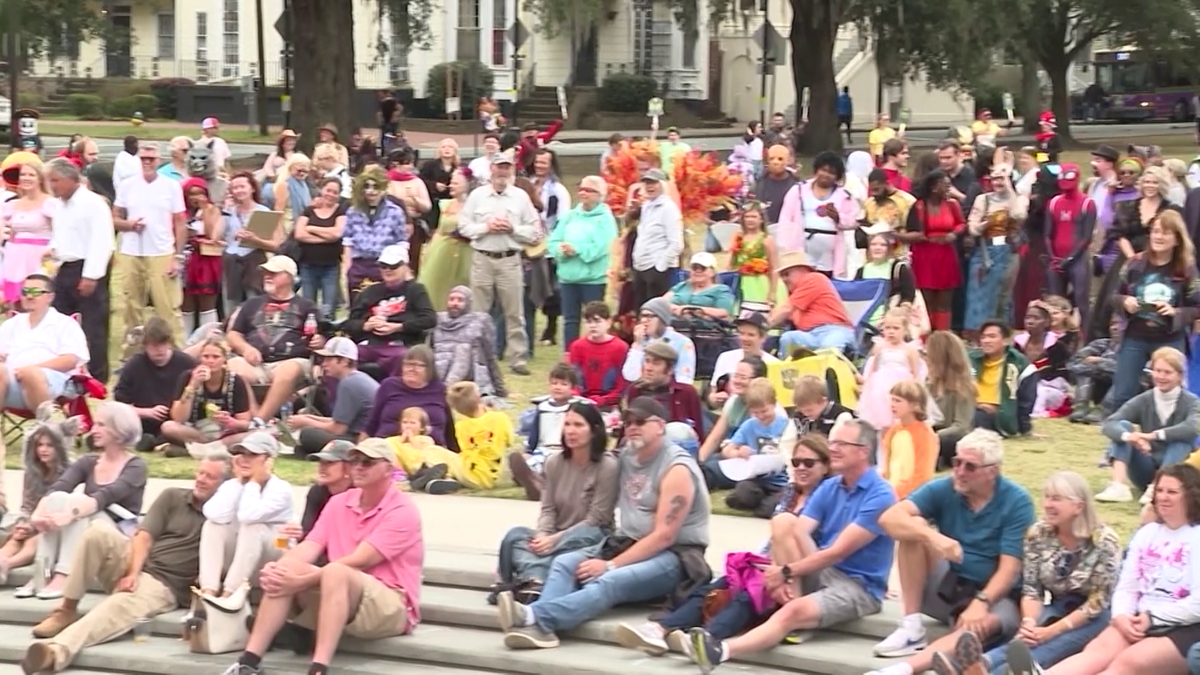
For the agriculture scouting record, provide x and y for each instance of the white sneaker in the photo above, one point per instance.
(679, 643)
(25, 591)
(904, 641)
(1115, 493)
(647, 637)
(1148, 495)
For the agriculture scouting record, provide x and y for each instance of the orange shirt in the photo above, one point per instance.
(909, 456)
(815, 303)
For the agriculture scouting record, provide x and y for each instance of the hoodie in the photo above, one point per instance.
(591, 234)
(394, 396)
(62, 435)
(407, 304)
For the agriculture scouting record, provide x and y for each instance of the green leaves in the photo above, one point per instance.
(556, 16)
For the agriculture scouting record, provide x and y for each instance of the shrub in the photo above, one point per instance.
(86, 106)
(125, 107)
(165, 93)
(627, 92)
(478, 82)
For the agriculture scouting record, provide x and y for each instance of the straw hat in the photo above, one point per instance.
(793, 259)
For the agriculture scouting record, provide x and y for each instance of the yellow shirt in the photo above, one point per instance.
(877, 138)
(989, 382)
(482, 443)
(981, 128)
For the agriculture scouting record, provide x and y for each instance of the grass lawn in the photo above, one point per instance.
(1057, 444)
(150, 131)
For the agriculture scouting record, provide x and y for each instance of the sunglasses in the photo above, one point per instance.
(33, 292)
(391, 267)
(966, 466)
(589, 190)
(363, 461)
(806, 462)
(699, 268)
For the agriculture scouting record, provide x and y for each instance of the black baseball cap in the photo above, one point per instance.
(645, 407)
(755, 319)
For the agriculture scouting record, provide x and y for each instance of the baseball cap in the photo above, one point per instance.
(210, 123)
(257, 443)
(502, 158)
(654, 176)
(396, 254)
(375, 448)
(704, 259)
(280, 263)
(755, 319)
(341, 347)
(643, 408)
(334, 451)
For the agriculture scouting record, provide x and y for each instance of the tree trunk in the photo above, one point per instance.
(323, 89)
(1060, 93)
(1031, 92)
(813, 37)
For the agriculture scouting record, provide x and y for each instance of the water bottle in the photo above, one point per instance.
(310, 325)
(285, 411)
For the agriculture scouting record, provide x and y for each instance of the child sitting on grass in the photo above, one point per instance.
(430, 467)
(542, 427)
(599, 357)
(484, 436)
(752, 454)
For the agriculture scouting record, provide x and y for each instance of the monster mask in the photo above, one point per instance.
(777, 160)
(200, 162)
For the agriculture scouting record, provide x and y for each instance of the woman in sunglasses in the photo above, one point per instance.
(1070, 556)
(724, 614)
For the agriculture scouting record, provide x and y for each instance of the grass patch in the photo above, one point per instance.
(150, 131)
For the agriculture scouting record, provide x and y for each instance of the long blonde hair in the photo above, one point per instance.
(949, 368)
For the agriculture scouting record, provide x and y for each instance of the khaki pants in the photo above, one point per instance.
(133, 279)
(238, 550)
(382, 612)
(104, 556)
(502, 280)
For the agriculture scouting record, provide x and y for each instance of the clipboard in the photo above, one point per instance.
(263, 224)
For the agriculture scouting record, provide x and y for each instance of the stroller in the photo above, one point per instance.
(711, 337)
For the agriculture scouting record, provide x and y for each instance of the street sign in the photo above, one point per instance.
(518, 34)
(1008, 101)
(283, 26)
(770, 42)
(453, 105)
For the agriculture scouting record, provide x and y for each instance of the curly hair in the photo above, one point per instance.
(1189, 482)
(377, 176)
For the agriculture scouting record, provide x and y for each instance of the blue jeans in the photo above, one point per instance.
(1193, 660)
(321, 279)
(821, 337)
(564, 604)
(732, 620)
(1056, 649)
(518, 562)
(1140, 466)
(1132, 357)
(574, 297)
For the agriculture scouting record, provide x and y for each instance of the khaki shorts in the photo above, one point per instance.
(265, 372)
(382, 612)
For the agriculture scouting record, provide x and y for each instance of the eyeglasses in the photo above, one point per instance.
(699, 268)
(967, 466)
(806, 462)
(412, 365)
(363, 461)
(637, 421)
(1064, 563)
(647, 315)
(840, 444)
(33, 292)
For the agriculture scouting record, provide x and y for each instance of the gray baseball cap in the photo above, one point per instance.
(334, 451)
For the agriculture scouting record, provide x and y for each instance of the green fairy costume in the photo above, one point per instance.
(446, 262)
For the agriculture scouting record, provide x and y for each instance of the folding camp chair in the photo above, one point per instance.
(861, 298)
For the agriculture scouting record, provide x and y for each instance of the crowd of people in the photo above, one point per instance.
(356, 310)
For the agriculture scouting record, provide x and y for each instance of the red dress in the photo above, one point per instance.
(201, 273)
(935, 266)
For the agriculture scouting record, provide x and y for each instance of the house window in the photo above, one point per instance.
(499, 31)
(468, 30)
(690, 38)
(398, 52)
(166, 36)
(660, 46)
(202, 46)
(230, 41)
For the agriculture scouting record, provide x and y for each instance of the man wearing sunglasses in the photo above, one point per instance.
(391, 316)
(38, 349)
(962, 538)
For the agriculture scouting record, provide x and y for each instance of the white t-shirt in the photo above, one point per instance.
(727, 363)
(57, 334)
(220, 150)
(156, 203)
(125, 166)
(481, 169)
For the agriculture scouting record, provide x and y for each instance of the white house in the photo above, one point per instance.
(854, 66)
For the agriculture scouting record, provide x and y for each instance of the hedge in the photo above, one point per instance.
(86, 106)
(127, 106)
(478, 81)
(627, 92)
(164, 92)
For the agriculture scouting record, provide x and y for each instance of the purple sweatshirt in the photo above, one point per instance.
(394, 396)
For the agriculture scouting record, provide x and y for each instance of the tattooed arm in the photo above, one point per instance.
(675, 496)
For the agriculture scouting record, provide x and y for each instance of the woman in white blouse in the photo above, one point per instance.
(1156, 604)
(243, 519)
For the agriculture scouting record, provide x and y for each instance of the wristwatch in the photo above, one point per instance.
(609, 566)
(982, 597)
(787, 572)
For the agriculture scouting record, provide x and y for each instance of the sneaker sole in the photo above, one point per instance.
(944, 665)
(699, 656)
(517, 640)
(899, 652)
(1020, 659)
(504, 611)
(631, 639)
(442, 486)
(968, 650)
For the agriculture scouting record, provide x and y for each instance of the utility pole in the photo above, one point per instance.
(13, 43)
(261, 91)
(762, 94)
(287, 62)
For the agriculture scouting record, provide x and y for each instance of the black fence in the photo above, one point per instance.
(230, 105)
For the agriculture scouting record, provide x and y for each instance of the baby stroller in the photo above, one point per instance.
(711, 338)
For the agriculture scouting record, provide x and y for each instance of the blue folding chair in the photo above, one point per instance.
(861, 298)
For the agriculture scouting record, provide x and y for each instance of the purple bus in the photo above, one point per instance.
(1137, 88)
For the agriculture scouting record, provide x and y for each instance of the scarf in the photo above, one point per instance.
(400, 176)
(1165, 402)
(299, 196)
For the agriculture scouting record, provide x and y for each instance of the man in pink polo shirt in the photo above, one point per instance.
(371, 587)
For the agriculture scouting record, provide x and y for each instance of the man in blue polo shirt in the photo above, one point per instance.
(962, 573)
(831, 563)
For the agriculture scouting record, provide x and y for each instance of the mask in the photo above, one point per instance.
(777, 158)
(1068, 178)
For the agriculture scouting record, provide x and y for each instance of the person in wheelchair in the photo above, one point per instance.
(39, 349)
(701, 290)
(389, 317)
(654, 327)
(815, 311)
(274, 337)
(352, 393)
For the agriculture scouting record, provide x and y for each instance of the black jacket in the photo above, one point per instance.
(407, 304)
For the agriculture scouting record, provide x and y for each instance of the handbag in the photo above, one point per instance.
(213, 629)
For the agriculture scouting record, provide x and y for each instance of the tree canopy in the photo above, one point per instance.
(49, 27)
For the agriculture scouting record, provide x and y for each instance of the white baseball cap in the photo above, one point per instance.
(280, 263)
(704, 259)
(341, 347)
(396, 254)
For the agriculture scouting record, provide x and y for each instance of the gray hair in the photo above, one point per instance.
(987, 443)
(1070, 485)
(181, 143)
(865, 434)
(422, 354)
(122, 421)
(223, 458)
(63, 167)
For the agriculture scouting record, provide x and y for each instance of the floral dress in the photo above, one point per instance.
(749, 259)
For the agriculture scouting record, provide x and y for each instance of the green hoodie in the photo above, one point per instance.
(1010, 376)
(591, 234)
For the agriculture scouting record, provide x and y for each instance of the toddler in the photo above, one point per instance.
(430, 468)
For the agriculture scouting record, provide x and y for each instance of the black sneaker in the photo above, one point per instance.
(442, 486)
(176, 451)
(424, 475)
(146, 443)
(706, 651)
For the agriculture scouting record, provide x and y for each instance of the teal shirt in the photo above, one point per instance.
(591, 234)
(717, 296)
